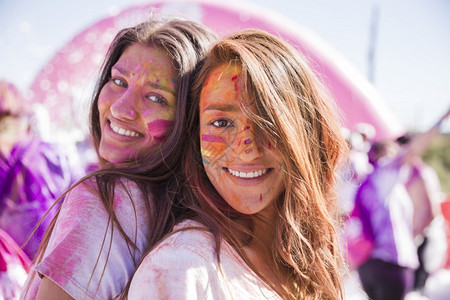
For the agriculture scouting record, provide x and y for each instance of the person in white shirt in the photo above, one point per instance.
(264, 147)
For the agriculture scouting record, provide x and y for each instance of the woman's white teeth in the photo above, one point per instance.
(122, 131)
(253, 174)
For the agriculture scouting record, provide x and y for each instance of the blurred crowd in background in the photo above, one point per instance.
(396, 227)
(33, 174)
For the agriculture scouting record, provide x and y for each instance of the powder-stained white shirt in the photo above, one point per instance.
(73, 251)
(184, 266)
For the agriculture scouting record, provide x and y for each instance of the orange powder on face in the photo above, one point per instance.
(214, 82)
(213, 146)
(244, 141)
(236, 200)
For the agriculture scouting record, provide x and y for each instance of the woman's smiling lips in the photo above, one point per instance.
(252, 174)
(248, 178)
(124, 132)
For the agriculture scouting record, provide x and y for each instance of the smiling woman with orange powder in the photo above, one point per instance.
(261, 219)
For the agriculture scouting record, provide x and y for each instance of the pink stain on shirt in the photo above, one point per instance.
(158, 128)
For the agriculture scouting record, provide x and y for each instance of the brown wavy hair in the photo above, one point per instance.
(296, 113)
(158, 173)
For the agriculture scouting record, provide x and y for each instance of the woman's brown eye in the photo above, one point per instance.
(221, 123)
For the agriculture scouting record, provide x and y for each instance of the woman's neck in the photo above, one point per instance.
(264, 231)
(260, 250)
(264, 263)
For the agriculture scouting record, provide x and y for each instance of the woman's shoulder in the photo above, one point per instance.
(83, 241)
(191, 245)
(187, 238)
(83, 211)
(188, 257)
(191, 227)
(90, 186)
(86, 193)
(181, 266)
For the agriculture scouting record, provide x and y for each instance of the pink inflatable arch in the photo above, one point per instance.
(64, 84)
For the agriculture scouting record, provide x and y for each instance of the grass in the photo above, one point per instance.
(438, 157)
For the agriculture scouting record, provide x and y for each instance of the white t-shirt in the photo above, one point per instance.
(184, 266)
(72, 255)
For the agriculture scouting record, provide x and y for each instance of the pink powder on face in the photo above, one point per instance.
(158, 128)
(150, 112)
(213, 146)
(212, 138)
(236, 84)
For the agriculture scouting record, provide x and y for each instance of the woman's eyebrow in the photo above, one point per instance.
(154, 85)
(161, 87)
(222, 107)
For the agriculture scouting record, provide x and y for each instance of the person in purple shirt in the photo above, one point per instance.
(33, 173)
(386, 211)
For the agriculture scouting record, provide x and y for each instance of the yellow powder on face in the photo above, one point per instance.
(214, 149)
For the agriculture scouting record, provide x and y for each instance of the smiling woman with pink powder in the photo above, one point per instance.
(264, 147)
(114, 215)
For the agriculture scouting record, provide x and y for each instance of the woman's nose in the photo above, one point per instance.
(125, 107)
(246, 147)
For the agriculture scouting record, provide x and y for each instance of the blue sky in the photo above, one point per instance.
(412, 58)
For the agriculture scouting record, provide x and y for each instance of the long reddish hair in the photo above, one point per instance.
(295, 112)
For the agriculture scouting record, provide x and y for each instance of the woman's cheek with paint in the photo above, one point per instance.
(158, 128)
(217, 148)
(213, 150)
(212, 147)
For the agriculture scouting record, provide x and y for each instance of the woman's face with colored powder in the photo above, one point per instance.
(247, 174)
(137, 106)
